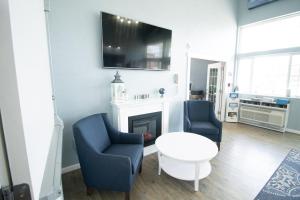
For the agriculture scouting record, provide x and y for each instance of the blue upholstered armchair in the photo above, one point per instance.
(200, 118)
(109, 159)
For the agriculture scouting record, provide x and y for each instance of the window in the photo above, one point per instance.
(245, 75)
(294, 83)
(274, 34)
(264, 75)
(268, 59)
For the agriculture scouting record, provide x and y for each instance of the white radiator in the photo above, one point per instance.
(267, 117)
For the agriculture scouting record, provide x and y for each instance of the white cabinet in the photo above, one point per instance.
(232, 109)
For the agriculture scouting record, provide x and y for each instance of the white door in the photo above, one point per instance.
(214, 87)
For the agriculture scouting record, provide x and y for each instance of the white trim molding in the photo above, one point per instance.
(70, 168)
(292, 131)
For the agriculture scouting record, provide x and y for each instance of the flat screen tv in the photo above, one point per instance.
(131, 44)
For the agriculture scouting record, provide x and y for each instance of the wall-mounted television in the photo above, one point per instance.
(131, 44)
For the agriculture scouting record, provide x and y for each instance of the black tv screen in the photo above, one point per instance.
(131, 44)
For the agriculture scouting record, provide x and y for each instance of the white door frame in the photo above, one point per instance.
(189, 56)
(220, 87)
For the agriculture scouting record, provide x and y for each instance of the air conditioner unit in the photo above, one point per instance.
(264, 116)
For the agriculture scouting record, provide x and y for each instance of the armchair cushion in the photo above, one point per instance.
(204, 127)
(133, 151)
(198, 111)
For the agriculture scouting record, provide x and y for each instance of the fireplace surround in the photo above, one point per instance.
(147, 124)
(123, 112)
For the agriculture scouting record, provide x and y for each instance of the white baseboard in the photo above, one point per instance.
(70, 168)
(147, 151)
(150, 150)
(292, 131)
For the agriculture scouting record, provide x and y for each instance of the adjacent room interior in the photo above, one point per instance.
(149, 100)
(207, 82)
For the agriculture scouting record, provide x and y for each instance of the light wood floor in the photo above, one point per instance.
(247, 159)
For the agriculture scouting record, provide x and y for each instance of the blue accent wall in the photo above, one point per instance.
(82, 86)
(267, 11)
(294, 116)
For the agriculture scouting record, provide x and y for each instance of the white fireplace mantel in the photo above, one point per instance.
(124, 109)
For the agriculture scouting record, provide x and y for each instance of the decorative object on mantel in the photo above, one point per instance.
(118, 91)
(161, 92)
(141, 96)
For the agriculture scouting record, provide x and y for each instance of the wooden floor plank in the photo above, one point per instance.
(248, 157)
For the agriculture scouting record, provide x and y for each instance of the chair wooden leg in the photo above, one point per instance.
(127, 196)
(219, 145)
(89, 191)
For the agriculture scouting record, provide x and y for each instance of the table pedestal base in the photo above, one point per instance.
(189, 171)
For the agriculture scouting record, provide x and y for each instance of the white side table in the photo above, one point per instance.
(185, 156)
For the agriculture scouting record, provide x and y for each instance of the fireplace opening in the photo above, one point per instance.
(147, 124)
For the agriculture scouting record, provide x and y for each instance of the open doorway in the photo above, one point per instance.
(206, 82)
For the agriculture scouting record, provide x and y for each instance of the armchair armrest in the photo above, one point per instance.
(107, 170)
(187, 124)
(212, 116)
(131, 138)
(122, 138)
(218, 124)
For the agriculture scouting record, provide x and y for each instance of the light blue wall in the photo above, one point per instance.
(294, 116)
(274, 9)
(82, 86)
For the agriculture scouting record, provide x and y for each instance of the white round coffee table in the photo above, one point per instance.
(185, 156)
